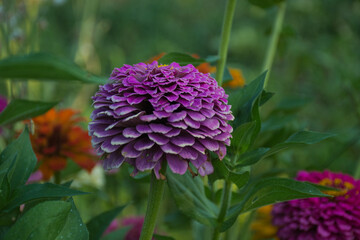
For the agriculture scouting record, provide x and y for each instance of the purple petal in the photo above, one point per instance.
(177, 164)
(189, 153)
(143, 162)
(175, 117)
(158, 138)
(170, 148)
(211, 123)
(173, 132)
(172, 108)
(143, 128)
(196, 116)
(129, 151)
(148, 118)
(143, 144)
(113, 160)
(200, 160)
(183, 140)
(135, 99)
(120, 140)
(210, 144)
(206, 169)
(124, 110)
(191, 123)
(161, 114)
(179, 125)
(131, 132)
(159, 128)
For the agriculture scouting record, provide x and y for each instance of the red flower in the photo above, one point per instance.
(57, 138)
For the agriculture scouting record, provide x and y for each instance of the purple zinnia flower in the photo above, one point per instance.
(325, 218)
(149, 114)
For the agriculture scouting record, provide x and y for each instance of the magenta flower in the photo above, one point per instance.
(3, 103)
(149, 114)
(134, 232)
(336, 218)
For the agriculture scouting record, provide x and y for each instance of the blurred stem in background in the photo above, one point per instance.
(223, 49)
(271, 50)
(225, 38)
(85, 54)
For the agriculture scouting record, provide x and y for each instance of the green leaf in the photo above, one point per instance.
(161, 237)
(298, 138)
(49, 220)
(270, 191)
(118, 234)
(180, 58)
(190, 197)
(44, 66)
(98, 224)
(240, 179)
(244, 101)
(37, 191)
(265, 3)
(19, 109)
(243, 137)
(22, 158)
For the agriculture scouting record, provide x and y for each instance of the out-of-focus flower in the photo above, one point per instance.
(149, 114)
(95, 178)
(262, 227)
(134, 232)
(3, 104)
(57, 137)
(336, 217)
(35, 177)
(238, 79)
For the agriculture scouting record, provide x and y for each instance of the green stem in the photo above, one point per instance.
(225, 202)
(225, 37)
(57, 177)
(271, 50)
(153, 206)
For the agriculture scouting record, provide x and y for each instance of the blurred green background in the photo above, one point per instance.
(315, 75)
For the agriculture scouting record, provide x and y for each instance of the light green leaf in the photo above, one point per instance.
(190, 198)
(98, 224)
(180, 58)
(19, 109)
(162, 237)
(44, 66)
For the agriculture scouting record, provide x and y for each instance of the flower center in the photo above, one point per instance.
(162, 65)
(337, 183)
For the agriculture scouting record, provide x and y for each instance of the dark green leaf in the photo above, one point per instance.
(45, 67)
(190, 197)
(243, 136)
(49, 220)
(161, 237)
(19, 109)
(180, 58)
(98, 224)
(118, 234)
(37, 191)
(22, 158)
(240, 179)
(270, 191)
(299, 138)
(220, 170)
(244, 100)
(265, 96)
(265, 3)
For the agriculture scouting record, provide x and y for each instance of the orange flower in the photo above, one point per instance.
(262, 227)
(57, 138)
(238, 79)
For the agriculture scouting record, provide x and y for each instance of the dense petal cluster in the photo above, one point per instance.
(149, 114)
(3, 104)
(135, 224)
(57, 137)
(335, 218)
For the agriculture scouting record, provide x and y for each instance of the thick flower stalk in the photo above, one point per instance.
(57, 138)
(337, 217)
(149, 114)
